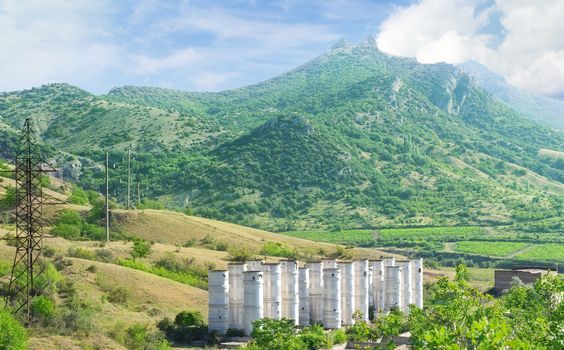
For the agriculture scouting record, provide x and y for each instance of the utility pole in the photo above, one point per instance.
(138, 194)
(107, 200)
(129, 178)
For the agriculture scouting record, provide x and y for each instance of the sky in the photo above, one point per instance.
(215, 45)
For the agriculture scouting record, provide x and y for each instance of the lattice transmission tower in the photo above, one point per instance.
(27, 278)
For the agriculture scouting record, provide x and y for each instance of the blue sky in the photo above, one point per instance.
(221, 44)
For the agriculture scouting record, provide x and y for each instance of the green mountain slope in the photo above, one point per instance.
(353, 138)
(546, 110)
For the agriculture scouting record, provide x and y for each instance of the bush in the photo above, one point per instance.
(117, 294)
(189, 319)
(339, 336)
(78, 196)
(140, 249)
(140, 337)
(277, 249)
(66, 231)
(187, 326)
(49, 252)
(42, 308)
(13, 335)
(104, 255)
(81, 253)
(239, 254)
(190, 243)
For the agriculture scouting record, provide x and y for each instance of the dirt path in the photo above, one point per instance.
(450, 246)
(522, 250)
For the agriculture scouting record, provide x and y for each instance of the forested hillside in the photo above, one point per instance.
(352, 139)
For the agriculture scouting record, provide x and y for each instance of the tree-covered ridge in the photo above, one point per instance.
(354, 138)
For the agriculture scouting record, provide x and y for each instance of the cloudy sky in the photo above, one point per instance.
(221, 44)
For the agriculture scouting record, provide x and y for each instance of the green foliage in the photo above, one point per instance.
(78, 196)
(489, 248)
(140, 337)
(42, 308)
(71, 225)
(239, 254)
(193, 276)
(187, 326)
(544, 252)
(189, 319)
(140, 249)
(81, 253)
(278, 249)
(281, 334)
(13, 335)
(150, 204)
(8, 200)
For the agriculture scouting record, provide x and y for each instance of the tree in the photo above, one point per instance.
(140, 249)
(13, 335)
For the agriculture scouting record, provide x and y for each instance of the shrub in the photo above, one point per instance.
(66, 231)
(187, 326)
(277, 249)
(81, 253)
(189, 319)
(42, 308)
(140, 337)
(104, 255)
(13, 335)
(239, 254)
(76, 317)
(190, 243)
(339, 336)
(140, 249)
(78, 196)
(117, 294)
(92, 269)
(49, 252)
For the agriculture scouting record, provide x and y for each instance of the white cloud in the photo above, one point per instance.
(50, 40)
(528, 52)
(211, 81)
(176, 60)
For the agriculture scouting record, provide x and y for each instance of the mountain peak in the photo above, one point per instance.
(341, 44)
(369, 41)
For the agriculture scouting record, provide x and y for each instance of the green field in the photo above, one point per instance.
(544, 252)
(349, 237)
(426, 232)
(489, 248)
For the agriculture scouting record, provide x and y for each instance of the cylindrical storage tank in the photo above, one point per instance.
(303, 287)
(218, 301)
(315, 291)
(290, 296)
(378, 285)
(254, 265)
(417, 281)
(329, 264)
(332, 298)
(393, 287)
(405, 285)
(253, 298)
(389, 261)
(347, 292)
(272, 290)
(361, 287)
(236, 294)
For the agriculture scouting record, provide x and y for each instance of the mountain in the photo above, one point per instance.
(546, 110)
(352, 138)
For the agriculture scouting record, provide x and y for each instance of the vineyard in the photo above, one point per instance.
(457, 232)
(347, 237)
(544, 252)
(489, 248)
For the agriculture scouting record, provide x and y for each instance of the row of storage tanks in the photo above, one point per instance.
(326, 292)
